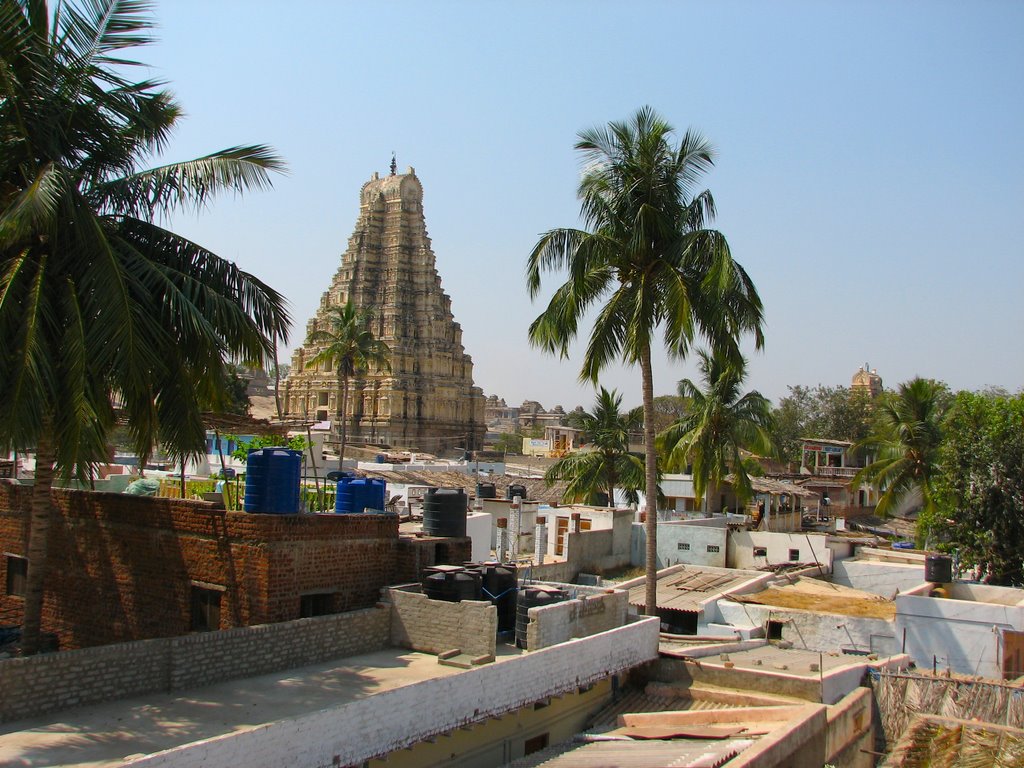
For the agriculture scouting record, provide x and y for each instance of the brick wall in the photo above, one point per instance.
(435, 626)
(415, 554)
(122, 567)
(50, 682)
(593, 611)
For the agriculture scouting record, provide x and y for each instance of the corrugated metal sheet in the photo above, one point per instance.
(686, 590)
(641, 702)
(680, 753)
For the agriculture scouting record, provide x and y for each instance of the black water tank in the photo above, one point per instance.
(444, 511)
(498, 584)
(486, 491)
(451, 583)
(516, 490)
(531, 597)
(938, 569)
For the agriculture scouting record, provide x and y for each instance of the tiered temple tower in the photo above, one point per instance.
(427, 400)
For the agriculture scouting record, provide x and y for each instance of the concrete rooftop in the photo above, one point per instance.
(106, 734)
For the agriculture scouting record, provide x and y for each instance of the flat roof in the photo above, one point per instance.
(105, 734)
(691, 586)
(822, 597)
(769, 658)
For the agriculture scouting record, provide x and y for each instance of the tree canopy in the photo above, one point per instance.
(980, 486)
(721, 422)
(100, 307)
(607, 462)
(834, 413)
(648, 263)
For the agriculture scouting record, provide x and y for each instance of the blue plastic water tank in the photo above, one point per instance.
(357, 494)
(272, 480)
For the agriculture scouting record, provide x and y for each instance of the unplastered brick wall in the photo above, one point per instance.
(416, 553)
(123, 567)
(36, 685)
(436, 626)
(377, 725)
(592, 611)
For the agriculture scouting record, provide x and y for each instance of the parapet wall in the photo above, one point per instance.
(361, 730)
(593, 611)
(37, 685)
(436, 626)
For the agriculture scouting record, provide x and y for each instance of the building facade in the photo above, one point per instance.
(427, 399)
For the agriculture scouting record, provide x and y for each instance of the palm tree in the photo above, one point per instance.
(97, 302)
(719, 425)
(608, 462)
(649, 262)
(348, 345)
(905, 440)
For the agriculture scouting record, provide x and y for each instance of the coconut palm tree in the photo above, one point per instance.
(905, 440)
(647, 262)
(349, 345)
(97, 302)
(720, 423)
(607, 462)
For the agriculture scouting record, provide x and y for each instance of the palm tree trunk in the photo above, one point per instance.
(277, 382)
(343, 400)
(650, 486)
(612, 479)
(39, 531)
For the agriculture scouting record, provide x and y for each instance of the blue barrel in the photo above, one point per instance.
(272, 480)
(357, 494)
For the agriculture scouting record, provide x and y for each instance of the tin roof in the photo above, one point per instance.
(690, 587)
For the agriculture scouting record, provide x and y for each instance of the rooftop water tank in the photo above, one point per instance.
(938, 569)
(498, 584)
(486, 491)
(451, 583)
(272, 480)
(531, 597)
(444, 512)
(355, 495)
(515, 490)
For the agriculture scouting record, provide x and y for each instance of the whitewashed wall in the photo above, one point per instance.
(361, 730)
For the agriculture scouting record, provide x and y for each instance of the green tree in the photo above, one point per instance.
(720, 424)
(904, 442)
(829, 413)
(647, 262)
(980, 486)
(607, 461)
(668, 409)
(95, 298)
(349, 346)
(510, 443)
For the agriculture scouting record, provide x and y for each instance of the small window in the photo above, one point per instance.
(321, 398)
(794, 555)
(760, 551)
(205, 609)
(714, 548)
(684, 546)
(316, 605)
(774, 630)
(17, 575)
(536, 744)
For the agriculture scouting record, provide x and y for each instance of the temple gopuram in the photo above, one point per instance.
(427, 400)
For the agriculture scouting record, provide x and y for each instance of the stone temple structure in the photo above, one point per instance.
(427, 400)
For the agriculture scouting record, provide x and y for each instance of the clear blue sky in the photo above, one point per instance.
(870, 173)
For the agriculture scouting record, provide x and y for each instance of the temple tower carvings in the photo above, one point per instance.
(427, 400)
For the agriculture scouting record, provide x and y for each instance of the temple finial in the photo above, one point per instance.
(394, 164)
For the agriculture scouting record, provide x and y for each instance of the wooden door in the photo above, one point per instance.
(1013, 654)
(561, 531)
